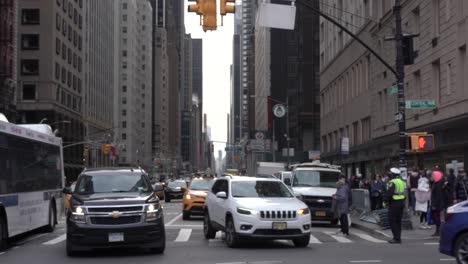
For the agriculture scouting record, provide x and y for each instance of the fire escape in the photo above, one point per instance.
(7, 57)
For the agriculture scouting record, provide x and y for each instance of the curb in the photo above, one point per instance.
(378, 232)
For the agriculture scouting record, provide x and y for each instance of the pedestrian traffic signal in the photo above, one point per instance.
(421, 142)
(197, 8)
(226, 8)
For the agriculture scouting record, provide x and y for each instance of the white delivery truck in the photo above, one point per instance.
(267, 169)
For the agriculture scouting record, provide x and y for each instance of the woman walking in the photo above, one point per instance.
(422, 196)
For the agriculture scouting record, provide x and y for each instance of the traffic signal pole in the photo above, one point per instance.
(400, 68)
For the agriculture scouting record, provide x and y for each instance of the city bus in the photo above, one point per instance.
(31, 178)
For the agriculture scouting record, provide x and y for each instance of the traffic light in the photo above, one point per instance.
(206, 9)
(421, 142)
(226, 8)
(106, 148)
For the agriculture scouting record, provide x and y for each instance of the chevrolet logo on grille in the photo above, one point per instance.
(116, 214)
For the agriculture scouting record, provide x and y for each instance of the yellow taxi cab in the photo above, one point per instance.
(193, 201)
(66, 200)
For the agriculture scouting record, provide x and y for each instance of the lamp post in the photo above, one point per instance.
(285, 105)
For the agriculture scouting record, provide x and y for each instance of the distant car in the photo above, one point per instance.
(114, 208)
(174, 190)
(193, 202)
(454, 233)
(255, 208)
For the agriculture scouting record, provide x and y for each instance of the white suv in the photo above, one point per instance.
(255, 208)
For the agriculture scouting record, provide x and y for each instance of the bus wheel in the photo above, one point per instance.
(52, 218)
(3, 233)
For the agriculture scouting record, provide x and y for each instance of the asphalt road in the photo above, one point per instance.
(185, 244)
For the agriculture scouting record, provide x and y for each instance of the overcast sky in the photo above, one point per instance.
(217, 60)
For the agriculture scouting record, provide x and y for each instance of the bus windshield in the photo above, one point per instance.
(313, 178)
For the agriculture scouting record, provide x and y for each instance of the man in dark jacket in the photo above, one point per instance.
(439, 198)
(451, 179)
(460, 190)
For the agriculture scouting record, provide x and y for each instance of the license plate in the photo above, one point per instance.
(279, 225)
(320, 213)
(116, 237)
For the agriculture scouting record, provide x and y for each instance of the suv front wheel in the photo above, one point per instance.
(302, 242)
(208, 229)
(232, 240)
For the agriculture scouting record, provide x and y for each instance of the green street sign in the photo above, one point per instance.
(420, 104)
(234, 148)
(393, 89)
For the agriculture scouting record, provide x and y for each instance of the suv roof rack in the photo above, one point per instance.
(317, 164)
(113, 168)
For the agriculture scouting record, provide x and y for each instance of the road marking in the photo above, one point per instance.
(188, 226)
(338, 238)
(231, 263)
(173, 220)
(451, 259)
(431, 243)
(314, 240)
(56, 240)
(383, 233)
(217, 239)
(184, 235)
(265, 262)
(365, 261)
(368, 237)
(22, 242)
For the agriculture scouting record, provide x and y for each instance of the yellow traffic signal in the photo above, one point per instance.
(209, 21)
(106, 148)
(225, 8)
(421, 142)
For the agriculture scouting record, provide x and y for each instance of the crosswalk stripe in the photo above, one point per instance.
(184, 235)
(368, 237)
(338, 238)
(218, 238)
(314, 240)
(56, 240)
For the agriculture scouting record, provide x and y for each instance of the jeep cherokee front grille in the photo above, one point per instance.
(278, 214)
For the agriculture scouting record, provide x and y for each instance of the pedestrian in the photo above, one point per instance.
(423, 196)
(341, 198)
(439, 199)
(395, 196)
(365, 184)
(451, 178)
(460, 193)
(377, 189)
(412, 183)
(354, 182)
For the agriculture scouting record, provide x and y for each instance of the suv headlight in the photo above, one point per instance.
(153, 212)
(246, 211)
(78, 214)
(303, 211)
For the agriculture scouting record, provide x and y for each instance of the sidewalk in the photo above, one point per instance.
(415, 234)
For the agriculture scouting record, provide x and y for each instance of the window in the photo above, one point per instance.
(124, 124)
(69, 79)
(64, 27)
(57, 71)
(75, 38)
(80, 3)
(58, 22)
(355, 133)
(57, 46)
(142, 125)
(436, 80)
(68, 100)
(124, 112)
(124, 29)
(64, 51)
(124, 88)
(30, 17)
(124, 6)
(449, 78)
(124, 18)
(435, 18)
(75, 16)
(70, 56)
(65, 4)
(80, 21)
(29, 91)
(124, 136)
(124, 53)
(220, 186)
(79, 85)
(79, 64)
(64, 75)
(74, 103)
(74, 82)
(70, 10)
(79, 42)
(59, 2)
(30, 41)
(124, 100)
(75, 60)
(70, 33)
(366, 129)
(30, 67)
(124, 65)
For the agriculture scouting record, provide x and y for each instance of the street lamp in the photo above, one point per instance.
(286, 106)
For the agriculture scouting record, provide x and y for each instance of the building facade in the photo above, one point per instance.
(197, 104)
(133, 100)
(100, 77)
(186, 105)
(8, 59)
(51, 72)
(355, 95)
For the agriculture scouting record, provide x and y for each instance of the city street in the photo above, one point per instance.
(185, 244)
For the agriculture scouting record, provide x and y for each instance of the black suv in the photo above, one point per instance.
(114, 207)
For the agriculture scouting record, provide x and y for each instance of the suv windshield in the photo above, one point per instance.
(270, 189)
(313, 178)
(201, 185)
(115, 182)
(176, 184)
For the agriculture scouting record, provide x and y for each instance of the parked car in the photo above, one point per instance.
(193, 202)
(174, 190)
(255, 208)
(114, 207)
(454, 233)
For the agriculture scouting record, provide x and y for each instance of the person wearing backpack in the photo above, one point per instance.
(460, 191)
